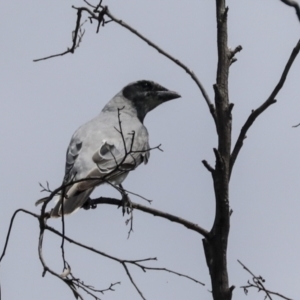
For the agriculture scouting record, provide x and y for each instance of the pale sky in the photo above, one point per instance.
(43, 103)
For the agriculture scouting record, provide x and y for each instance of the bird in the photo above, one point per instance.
(108, 147)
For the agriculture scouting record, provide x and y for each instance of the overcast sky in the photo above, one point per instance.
(43, 103)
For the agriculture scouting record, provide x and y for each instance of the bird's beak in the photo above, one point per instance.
(168, 95)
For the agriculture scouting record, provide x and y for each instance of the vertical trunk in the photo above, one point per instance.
(215, 247)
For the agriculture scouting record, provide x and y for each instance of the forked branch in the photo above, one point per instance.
(77, 36)
(255, 113)
(68, 278)
(257, 283)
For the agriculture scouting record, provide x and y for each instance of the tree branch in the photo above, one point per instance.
(258, 283)
(293, 4)
(76, 40)
(10, 228)
(255, 113)
(67, 277)
(208, 166)
(122, 261)
(152, 211)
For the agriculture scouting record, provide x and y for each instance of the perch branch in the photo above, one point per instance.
(155, 212)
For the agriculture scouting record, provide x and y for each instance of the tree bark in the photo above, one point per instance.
(215, 246)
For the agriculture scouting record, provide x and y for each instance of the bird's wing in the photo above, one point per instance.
(73, 152)
(116, 157)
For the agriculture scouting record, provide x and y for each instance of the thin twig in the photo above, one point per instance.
(255, 113)
(258, 283)
(132, 281)
(42, 222)
(66, 265)
(172, 272)
(128, 192)
(76, 39)
(10, 228)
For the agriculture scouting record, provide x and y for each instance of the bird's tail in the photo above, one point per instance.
(73, 200)
(41, 201)
(71, 203)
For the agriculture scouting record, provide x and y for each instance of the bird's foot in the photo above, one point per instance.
(89, 204)
(126, 204)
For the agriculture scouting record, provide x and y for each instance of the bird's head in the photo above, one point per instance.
(146, 95)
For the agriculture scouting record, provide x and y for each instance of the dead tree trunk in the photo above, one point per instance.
(215, 246)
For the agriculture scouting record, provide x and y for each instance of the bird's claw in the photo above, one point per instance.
(126, 204)
(88, 204)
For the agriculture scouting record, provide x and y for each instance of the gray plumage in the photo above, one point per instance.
(97, 149)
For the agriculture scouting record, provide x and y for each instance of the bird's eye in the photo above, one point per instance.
(146, 85)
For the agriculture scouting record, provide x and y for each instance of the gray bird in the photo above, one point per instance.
(108, 147)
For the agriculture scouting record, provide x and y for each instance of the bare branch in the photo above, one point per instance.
(255, 113)
(45, 188)
(132, 281)
(172, 272)
(77, 38)
(154, 212)
(42, 222)
(68, 277)
(233, 52)
(66, 265)
(293, 4)
(91, 5)
(208, 166)
(123, 262)
(258, 283)
(90, 290)
(10, 228)
(129, 220)
(120, 191)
